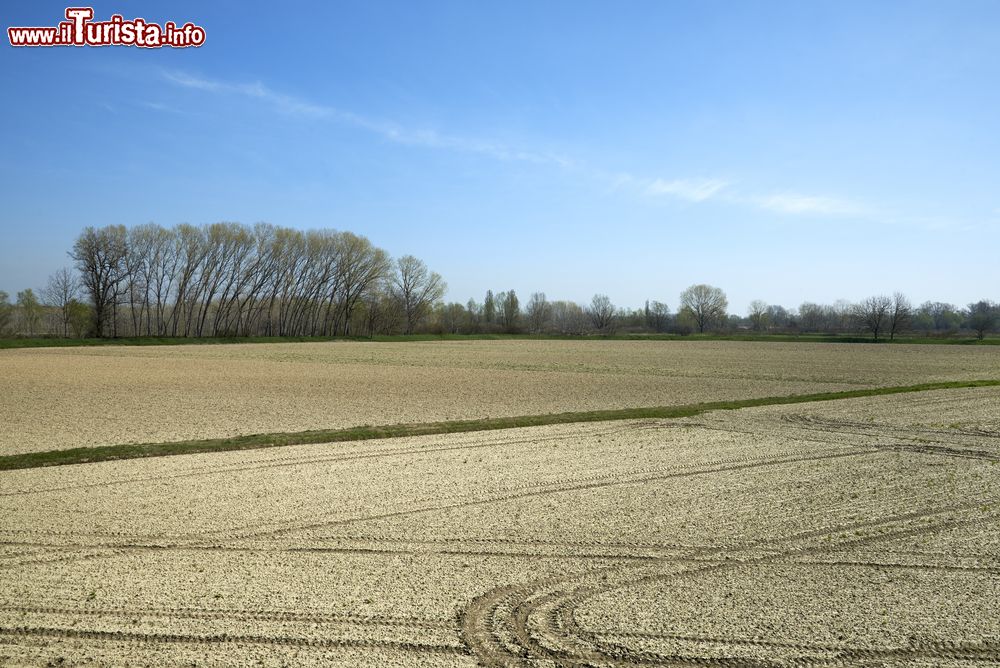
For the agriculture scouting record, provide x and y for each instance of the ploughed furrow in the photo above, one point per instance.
(346, 454)
(573, 485)
(945, 450)
(237, 614)
(135, 637)
(374, 547)
(882, 429)
(536, 621)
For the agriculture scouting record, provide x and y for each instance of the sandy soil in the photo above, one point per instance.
(847, 533)
(69, 397)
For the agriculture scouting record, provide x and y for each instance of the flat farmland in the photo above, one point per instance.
(857, 532)
(59, 398)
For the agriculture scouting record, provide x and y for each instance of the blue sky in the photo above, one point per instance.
(786, 151)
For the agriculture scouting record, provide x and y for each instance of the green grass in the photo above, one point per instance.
(362, 433)
(47, 342)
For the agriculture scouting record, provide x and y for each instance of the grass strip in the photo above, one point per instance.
(51, 342)
(105, 453)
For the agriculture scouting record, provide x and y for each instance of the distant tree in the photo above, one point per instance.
(873, 313)
(62, 289)
(982, 317)
(812, 317)
(842, 315)
(6, 313)
(938, 316)
(489, 309)
(568, 318)
(657, 316)
(900, 314)
(509, 311)
(704, 305)
(473, 316)
(451, 317)
(602, 313)
(538, 312)
(30, 310)
(778, 316)
(417, 289)
(758, 314)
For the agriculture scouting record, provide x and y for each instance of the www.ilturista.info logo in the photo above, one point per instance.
(80, 30)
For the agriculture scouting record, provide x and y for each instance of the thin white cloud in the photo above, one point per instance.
(794, 203)
(694, 190)
(159, 106)
(294, 106)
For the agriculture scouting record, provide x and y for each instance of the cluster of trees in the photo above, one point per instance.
(228, 279)
(502, 312)
(703, 308)
(879, 315)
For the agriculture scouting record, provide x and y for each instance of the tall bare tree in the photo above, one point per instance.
(538, 312)
(704, 305)
(602, 313)
(873, 313)
(99, 255)
(489, 309)
(416, 288)
(59, 293)
(509, 311)
(757, 312)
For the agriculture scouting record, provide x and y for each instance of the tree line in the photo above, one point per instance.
(228, 279)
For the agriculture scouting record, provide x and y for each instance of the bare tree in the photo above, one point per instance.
(568, 318)
(509, 311)
(99, 254)
(777, 316)
(900, 314)
(451, 317)
(657, 316)
(758, 314)
(873, 313)
(62, 289)
(362, 267)
(474, 316)
(416, 288)
(705, 305)
(489, 309)
(602, 313)
(538, 312)
(813, 317)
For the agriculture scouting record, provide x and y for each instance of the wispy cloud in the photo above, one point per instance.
(294, 106)
(159, 106)
(694, 190)
(794, 203)
(700, 190)
(690, 189)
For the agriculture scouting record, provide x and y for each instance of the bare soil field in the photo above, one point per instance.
(60, 398)
(859, 532)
